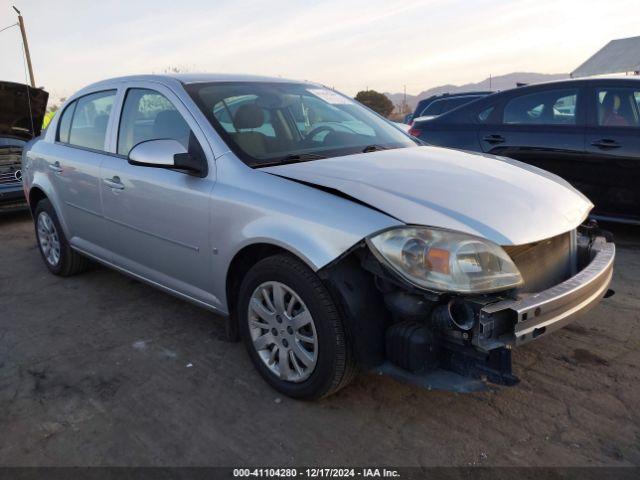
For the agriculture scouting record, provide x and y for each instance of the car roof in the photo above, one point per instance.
(186, 79)
(439, 96)
(568, 82)
(609, 79)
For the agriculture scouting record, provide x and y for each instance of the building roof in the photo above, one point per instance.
(617, 56)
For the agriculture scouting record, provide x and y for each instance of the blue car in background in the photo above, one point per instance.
(438, 104)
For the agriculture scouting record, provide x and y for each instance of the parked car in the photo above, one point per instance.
(587, 131)
(329, 239)
(438, 104)
(22, 109)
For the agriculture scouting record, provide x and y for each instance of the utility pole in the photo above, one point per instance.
(404, 100)
(26, 46)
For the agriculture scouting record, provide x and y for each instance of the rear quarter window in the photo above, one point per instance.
(65, 122)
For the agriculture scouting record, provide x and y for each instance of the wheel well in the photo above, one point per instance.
(35, 195)
(240, 265)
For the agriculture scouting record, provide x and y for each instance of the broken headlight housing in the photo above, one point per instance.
(443, 260)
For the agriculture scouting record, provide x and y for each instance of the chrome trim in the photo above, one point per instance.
(555, 307)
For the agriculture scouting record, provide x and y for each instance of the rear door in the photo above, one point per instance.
(158, 219)
(544, 127)
(74, 168)
(613, 150)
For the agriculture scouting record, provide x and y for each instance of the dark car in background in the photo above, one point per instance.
(586, 131)
(22, 110)
(438, 104)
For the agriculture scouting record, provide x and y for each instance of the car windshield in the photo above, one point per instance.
(273, 123)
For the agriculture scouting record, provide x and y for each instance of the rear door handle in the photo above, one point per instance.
(114, 183)
(55, 167)
(606, 143)
(493, 139)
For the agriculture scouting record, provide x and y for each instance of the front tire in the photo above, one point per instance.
(58, 256)
(292, 330)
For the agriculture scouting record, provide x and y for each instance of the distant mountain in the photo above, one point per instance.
(502, 82)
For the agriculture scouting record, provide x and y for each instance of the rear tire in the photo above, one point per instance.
(56, 252)
(298, 344)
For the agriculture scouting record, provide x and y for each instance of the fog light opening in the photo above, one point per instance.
(455, 314)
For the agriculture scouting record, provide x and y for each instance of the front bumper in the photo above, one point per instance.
(12, 197)
(466, 360)
(515, 322)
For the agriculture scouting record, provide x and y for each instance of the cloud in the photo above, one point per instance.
(346, 44)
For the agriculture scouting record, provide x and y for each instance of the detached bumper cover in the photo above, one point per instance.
(550, 309)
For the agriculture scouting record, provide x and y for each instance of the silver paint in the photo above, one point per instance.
(163, 226)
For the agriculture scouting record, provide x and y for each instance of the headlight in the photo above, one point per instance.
(447, 261)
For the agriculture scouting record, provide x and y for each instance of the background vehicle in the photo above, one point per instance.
(22, 109)
(587, 131)
(329, 239)
(438, 104)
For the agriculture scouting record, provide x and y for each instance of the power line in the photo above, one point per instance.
(7, 28)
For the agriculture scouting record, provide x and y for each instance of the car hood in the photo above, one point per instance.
(16, 118)
(502, 200)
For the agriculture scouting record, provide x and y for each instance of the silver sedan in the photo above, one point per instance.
(330, 239)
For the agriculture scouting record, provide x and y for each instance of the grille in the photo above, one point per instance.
(10, 165)
(545, 263)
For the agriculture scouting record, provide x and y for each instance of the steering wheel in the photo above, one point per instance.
(318, 130)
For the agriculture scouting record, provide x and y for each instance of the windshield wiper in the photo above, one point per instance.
(373, 148)
(292, 158)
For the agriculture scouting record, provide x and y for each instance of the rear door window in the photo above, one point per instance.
(548, 107)
(90, 120)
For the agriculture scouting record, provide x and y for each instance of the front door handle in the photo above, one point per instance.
(114, 182)
(493, 139)
(606, 143)
(55, 167)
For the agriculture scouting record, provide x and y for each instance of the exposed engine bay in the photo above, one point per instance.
(459, 342)
(10, 164)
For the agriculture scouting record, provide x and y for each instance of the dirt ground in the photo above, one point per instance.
(99, 369)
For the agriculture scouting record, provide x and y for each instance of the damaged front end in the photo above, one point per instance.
(452, 340)
(22, 110)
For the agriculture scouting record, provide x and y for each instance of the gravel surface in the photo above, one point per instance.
(99, 369)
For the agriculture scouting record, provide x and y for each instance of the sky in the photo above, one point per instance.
(350, 45)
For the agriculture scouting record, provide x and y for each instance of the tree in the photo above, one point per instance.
(376, 101)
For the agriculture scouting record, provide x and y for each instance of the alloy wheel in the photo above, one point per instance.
(283, 332)
(49, 239)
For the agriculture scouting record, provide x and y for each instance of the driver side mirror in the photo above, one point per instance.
(165, 154)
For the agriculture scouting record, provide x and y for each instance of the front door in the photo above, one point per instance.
(613, 150)
(544, 128)
(157, 218)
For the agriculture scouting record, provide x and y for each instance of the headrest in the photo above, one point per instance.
(170, 124)
(100, 122)
(248, 116)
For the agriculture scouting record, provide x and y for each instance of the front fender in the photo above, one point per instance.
(250, 207)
